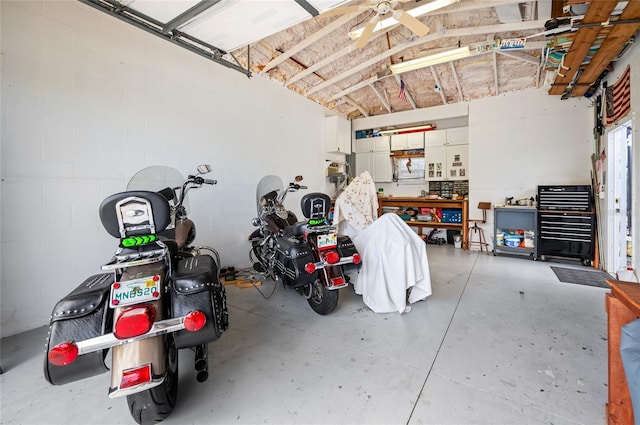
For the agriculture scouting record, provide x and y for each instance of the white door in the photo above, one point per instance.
(458, 162)
(617, 186)
(435, 161)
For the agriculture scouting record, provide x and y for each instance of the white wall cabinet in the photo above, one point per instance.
(446, 137)
(446, 163)
(372, 155)
(402, 142)
(337, 135)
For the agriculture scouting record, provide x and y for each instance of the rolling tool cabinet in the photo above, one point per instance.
(566, 222)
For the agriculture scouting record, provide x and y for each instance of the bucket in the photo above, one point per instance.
(457, 241)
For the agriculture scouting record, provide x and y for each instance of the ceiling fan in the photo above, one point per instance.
(382, 9)
(387, 9)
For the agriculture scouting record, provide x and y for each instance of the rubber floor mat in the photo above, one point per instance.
(581, 277)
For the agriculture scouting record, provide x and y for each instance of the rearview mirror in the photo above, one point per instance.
(204, 169)
(298, 179)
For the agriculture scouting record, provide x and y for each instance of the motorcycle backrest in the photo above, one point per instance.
(135, 213)
(315, 205)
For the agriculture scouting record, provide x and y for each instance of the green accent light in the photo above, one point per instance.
(133, 241)
(316, 222)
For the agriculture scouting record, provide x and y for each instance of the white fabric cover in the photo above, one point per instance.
(357, 204)
(394, 259)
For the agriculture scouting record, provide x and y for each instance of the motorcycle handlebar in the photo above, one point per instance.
(209, 181)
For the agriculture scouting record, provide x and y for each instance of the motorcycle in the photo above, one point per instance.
(308, 256)
(158, 294)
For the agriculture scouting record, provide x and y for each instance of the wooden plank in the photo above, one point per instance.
(584, 39)
(619, 407)
(611, 46)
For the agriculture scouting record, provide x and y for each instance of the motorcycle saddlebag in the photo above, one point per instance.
(346, 248)
(82, 314)
(291, 257)
(196, 287)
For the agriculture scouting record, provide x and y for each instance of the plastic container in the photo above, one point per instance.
(627, 274)
(457, 241)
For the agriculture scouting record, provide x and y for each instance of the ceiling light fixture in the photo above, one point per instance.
(407, 129)
(418, 11)
(442, 57)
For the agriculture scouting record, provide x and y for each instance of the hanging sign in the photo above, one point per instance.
(488, 46)
(512, 43)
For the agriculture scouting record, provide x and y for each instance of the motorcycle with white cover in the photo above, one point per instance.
(309, 255)
(158, 294)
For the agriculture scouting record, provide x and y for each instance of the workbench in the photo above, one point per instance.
(420, 202)
(622, 306)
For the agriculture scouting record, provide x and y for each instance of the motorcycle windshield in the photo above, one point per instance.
(268, 185)
(158, 178)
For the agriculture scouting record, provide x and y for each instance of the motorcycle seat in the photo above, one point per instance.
(296, 229)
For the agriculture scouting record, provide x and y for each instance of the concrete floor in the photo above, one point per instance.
(500, 341)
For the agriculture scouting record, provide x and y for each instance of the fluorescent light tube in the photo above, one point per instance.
(442, 57)
(418, 11)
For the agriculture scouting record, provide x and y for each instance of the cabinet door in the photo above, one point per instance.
(435, 138)
(415, 140)
(344, 138)
(398, 142)
(380, 144)
(458, 136)
(382, 168)
(435, 160)
(362, 145)
(458, 162)
(364, 162)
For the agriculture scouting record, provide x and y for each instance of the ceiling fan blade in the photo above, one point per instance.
(417, 27)
(366, 33)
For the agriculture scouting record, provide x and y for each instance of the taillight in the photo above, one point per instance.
(195, 321)
(332, 257)
(63, 354)
(337, 281)
(310, 268)
(137, 376)
(356, 258)
(135, 321)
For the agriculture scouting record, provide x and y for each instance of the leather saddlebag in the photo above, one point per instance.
(81, 315)
(291, 256)
(346, 248)
(196, 287)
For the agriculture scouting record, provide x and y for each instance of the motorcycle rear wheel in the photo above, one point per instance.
(322, 300)
(156, 404)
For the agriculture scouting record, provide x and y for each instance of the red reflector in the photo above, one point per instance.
(337, 281)
(195, 321)
(310, 268)
(133, 377)
(332, 257)
(135, 321)
(63, 354)
(356, 258)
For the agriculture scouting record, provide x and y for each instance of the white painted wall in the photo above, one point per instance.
(87, 101)
(520, 140)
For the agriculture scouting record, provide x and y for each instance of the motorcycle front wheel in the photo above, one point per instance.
(156, 404)
(322, 300)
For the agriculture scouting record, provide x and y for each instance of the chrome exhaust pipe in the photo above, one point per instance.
(201, 363)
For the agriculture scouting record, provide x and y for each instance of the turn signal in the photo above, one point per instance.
(310, 268)
(133, 377)
(135, 321)
(195, 321)
(63, 354)
(332, 257)
(356, 258)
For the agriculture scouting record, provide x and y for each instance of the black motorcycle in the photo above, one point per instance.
(158, 294)
(308, 255)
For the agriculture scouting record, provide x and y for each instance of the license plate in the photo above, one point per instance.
(135, 291)
(330, 240)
